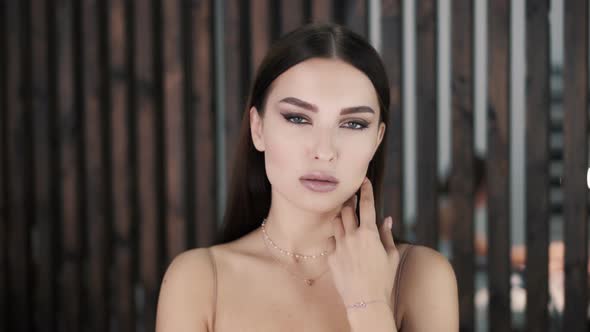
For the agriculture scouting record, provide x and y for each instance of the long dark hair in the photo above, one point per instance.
(250, 191)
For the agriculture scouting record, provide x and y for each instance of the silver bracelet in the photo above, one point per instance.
(363, 304)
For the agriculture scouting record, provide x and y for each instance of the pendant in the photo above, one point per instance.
(309, 282)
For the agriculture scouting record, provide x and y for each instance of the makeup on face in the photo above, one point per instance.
(319, 182)
(299, 118)
(322, 116)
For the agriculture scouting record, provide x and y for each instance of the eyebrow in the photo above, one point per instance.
(313, 108)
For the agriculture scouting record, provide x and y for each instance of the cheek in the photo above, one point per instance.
(357, 151)
(280, 155)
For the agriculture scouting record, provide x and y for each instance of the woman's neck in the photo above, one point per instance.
(299, 231)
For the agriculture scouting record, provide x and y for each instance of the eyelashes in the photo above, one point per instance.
(299, 119)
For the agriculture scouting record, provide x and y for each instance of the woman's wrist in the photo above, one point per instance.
(374, 315)
(362, 304)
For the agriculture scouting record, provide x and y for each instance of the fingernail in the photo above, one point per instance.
(365, 180)
(389, 222)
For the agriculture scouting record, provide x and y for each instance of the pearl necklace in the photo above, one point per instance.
(308, 281)
(297, 256)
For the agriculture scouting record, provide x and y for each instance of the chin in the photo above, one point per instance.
(321, 204)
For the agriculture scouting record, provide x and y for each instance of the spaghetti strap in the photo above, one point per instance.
(398, 276)
(214, 266)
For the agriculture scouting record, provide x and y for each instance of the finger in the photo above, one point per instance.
(386, 234)
(348, 219)
(367, 205)
(348, 224)
(338, 229)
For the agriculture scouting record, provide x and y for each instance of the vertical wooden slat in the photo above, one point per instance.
(245, 29)
(79, 144)
(236, 90)
(260, 28)
(54, 233)
(54, 174)
(94, 167)
(292, 15)
(426, 119)
(44, 219)
(322, 10)
(4, 218)
(124, 301)
(575, 202)
(104, 238)
(537, 164)
(71, 275)
(352, 14)
(174, 133)
(462, 177)
(19, 168)
(201, 131)
(498, 164)
(146, 126)
(392, 50)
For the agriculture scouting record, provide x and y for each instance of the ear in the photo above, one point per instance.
(380, 134)
(256, 129)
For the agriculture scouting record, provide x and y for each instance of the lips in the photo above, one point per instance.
(319, 182)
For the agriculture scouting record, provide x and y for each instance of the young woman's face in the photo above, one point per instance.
(321, 118)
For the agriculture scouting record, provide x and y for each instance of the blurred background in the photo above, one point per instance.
(118, 121)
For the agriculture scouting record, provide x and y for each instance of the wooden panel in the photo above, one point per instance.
(71, 281)
(45, 221)
(201, 121)
(462, 184)
(537, 163)
(261, 30)
(392, 50)
(426, 124)
(236, 89)
(19, 167)
(292, 15)
(120, 72)
(174, 130)
(498, 164)
(353, 14)
(93, 108)
(4, 217)
(575, 202)
(322, 10)
(145, 85)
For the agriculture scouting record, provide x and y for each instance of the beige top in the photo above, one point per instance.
(397, 283)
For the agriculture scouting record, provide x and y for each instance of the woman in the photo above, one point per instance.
(303, 247)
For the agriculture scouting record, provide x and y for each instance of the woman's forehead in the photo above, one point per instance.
(325, 82)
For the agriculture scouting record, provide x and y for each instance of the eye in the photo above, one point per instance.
(294, 118)
(356, 125)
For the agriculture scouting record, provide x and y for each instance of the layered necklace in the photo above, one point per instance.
(270, 244)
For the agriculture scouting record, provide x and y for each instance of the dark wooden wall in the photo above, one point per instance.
(108, 147)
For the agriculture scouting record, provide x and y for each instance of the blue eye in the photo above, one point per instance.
(356, 125)
(300, 120)
(295, 119)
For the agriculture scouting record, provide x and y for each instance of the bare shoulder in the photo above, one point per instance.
(187, 292)
(429, 289)
(424, 261)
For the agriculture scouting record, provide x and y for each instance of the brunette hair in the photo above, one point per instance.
(250, 191)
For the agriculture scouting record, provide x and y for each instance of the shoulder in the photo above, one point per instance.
(429, 288)
(425, 259)
(187, 292)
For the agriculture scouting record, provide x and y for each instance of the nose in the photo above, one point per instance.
(324, 148)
